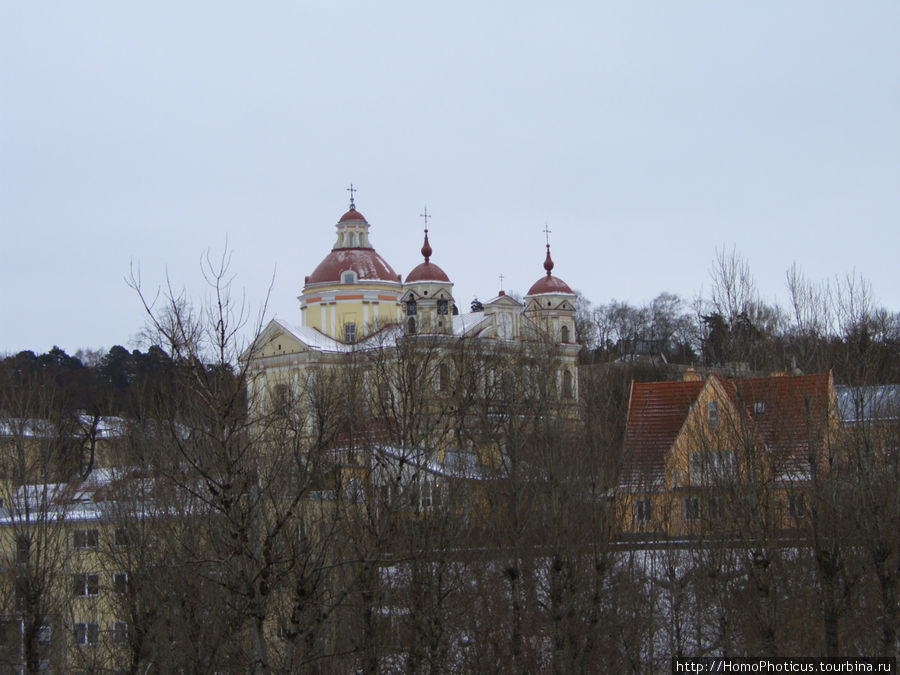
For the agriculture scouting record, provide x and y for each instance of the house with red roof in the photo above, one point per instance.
(711, 455)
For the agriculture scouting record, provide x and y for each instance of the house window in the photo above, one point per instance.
(350, 332)
(759, 408)
(348, 278)
(715, 508)
(85, 539)
(564, 334)
(120, 633)
(45, 632)
(711, 467)
(120, 582)
(121, 537)
(23, 544)
(690, 508)
(712, 413)
(796, 506)
(86, 634)
(85, 585)
(443, 307)
(642, 511)
(411, 308)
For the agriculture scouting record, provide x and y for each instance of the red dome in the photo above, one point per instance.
(365, 262)
(549, 284)
(352, 214)
(427, 271)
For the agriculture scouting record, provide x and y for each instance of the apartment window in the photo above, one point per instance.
(85, 539)
(712, 413)
(86, 634)
(23, 544)
(120, 582)
(690, 508)
(642, 511)
(443, 307)
(85, 585)
(120, 633)
(350, 332)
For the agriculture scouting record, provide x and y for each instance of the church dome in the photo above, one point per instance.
(549, 283)
(427, 271)
(353, 252)
(364, 262)
(352, 214)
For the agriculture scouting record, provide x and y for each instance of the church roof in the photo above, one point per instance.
(352, 214)
(427, 271)
(549, 283)
(365, 262)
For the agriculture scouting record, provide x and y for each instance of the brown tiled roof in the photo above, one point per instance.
(656, 413)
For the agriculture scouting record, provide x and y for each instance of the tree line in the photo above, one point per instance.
(339, 524)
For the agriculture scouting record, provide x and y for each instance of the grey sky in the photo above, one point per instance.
(646, 134)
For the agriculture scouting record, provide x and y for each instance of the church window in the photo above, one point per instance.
(411, 325)
(411, 308)
(351, 238)
(350, 332)
(564, 334)
(567, 384)
(444, 377)
(442, 307)
(348, 278)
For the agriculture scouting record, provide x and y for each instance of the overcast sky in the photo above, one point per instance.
(646, 134)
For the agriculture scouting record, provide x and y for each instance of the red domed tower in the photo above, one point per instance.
(427, 302)
(550, 303)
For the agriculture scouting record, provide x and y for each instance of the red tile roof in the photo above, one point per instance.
(656, 413)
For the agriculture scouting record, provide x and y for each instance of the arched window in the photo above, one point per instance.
(564, 334)
(352, 239)
(444, 377)
(567, 384)
(411, 325)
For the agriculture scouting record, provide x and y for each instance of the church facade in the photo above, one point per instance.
(354, 302)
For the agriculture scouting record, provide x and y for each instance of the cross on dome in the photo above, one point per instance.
(352, 190)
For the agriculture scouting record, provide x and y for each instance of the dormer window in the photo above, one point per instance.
(348, 278)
